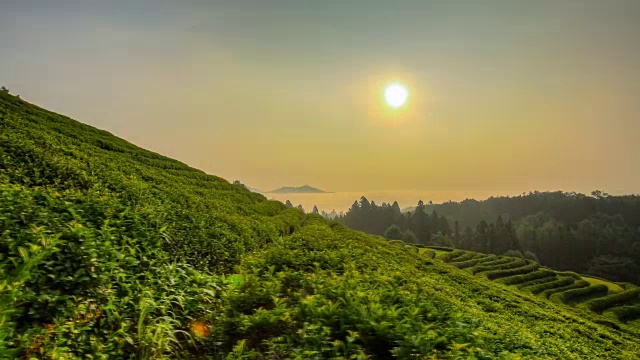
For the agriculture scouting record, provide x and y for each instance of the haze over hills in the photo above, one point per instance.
(87, 215)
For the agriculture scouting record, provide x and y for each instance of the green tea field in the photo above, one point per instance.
(110, 251)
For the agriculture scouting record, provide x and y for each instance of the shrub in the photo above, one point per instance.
(538, 288)
(473, 262)
(468, 256)
(441, 248)
(626, 313)
(396, 242)
(393, 232)
(543, 280)
(452, 255)
(409, 237)
(488, 259)
(430, 254)
(496, 274)
(501, 264)
(607, 302)
(626, 285)
(412, 248)
(536, 275)
(576, 295)
(569, 273)
(466, 264)
(575, 285)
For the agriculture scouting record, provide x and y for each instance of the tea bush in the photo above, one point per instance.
(467, 256)
(604, 303)
(441, 248)
(627, 313)
(560, 283)
(496, 274)
(500, 264)
(534, 275)
(574, 285)
(468, 263)
(531, 283)
(573, 296)
(429, 254)
(451, 255)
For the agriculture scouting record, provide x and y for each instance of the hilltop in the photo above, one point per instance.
(108, 250)
(305, 189)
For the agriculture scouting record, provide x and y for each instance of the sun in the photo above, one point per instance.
(396, 95)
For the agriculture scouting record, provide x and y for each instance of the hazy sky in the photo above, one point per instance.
(505, 95)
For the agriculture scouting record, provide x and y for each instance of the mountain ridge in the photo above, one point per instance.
(305, 189)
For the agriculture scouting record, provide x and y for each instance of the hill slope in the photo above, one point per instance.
(113, 251)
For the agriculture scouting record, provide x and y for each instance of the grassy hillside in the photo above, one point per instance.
(111, 251)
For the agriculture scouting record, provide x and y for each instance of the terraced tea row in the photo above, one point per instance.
(617, 301)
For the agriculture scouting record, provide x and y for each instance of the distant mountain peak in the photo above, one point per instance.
(305, 189)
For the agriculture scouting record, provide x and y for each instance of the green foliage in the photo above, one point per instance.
(393, 232)
(626, 313)
(15, 275)
(570, 274)
(619, 267)
(538, 288)
(496, 274)
(466, 264)
(474, 261)
(467, 256)
(409, 237)
(412, 248)
(429, 254)
(440, 239)
(534, 275)
(450, 256)
(543, 280)
(108, 251)
(573, 296)
(574, 285)
(613, 300)
(441, 248)
(499, 264)
(596, 234)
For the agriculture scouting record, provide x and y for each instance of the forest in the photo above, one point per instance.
(597, 234)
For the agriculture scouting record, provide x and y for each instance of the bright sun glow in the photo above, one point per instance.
(396, 95)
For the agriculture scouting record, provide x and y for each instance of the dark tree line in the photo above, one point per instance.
(418, 226)
(597, 235)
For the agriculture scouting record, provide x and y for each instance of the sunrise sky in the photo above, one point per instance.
(504, 95)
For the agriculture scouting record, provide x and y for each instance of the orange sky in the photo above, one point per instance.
(505, 97)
